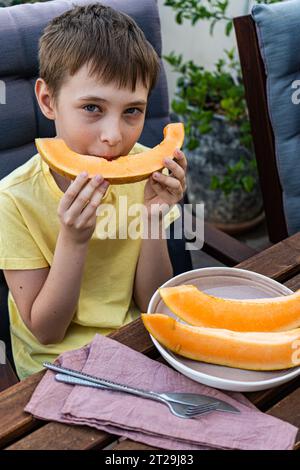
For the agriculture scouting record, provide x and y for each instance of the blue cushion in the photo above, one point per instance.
(21, 120)
(278, 28)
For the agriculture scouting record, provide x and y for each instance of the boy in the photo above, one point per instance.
(66, 282)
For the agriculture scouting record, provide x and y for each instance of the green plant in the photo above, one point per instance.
(201, 94)
(211, 10)
(240, 175)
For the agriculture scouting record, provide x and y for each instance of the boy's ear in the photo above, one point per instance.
(43, 97)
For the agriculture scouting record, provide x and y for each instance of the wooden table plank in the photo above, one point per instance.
(293, 283)
(288, 409)
(14, 422)
(281, 261)
(265, 399)
(128, 444)
(58, 436)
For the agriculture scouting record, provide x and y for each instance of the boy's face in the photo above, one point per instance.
(107, 125)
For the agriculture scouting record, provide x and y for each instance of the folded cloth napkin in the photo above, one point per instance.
(145, 420)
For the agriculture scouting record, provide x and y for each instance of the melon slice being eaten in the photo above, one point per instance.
(253, 351)
(124, 169)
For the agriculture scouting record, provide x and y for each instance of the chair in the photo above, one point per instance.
(21, 120)
(270, 64)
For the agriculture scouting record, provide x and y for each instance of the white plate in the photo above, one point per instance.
(227, 283)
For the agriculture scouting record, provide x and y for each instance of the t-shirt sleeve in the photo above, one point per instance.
(18, 250)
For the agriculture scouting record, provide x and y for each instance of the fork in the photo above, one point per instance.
(190, 399)
(181, 410)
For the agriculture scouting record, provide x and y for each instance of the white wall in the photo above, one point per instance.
(195, 42)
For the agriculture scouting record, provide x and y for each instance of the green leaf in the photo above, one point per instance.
(228, 28)
(214, 182)
(178, 17)
(212, 26)
(204, 128)
(222, 5)
(239, 166)
(248, 183)
(179, 107)
(192, 144)
(195, 18)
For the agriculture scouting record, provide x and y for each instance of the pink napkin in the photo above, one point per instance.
(145, 420)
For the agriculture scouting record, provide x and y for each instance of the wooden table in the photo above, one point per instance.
(19, 430)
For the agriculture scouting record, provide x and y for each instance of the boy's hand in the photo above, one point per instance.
(167, 189)
(78, 206)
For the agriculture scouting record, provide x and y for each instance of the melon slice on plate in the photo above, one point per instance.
(253, 351)
(201, 309)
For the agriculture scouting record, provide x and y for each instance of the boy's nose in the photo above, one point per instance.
(110, 134)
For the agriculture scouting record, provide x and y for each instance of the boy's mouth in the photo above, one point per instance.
(108, 157)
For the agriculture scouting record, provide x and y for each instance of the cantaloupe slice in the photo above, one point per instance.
(200, 309)
(124, 169)
(254, 351)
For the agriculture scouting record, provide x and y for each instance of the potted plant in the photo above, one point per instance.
(222, 166)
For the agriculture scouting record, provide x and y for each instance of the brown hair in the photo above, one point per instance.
(106, 39)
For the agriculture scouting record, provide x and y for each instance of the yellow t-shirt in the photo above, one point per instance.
(29, 198)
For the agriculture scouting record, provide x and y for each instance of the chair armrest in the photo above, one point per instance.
(223, 247)
(7, 376)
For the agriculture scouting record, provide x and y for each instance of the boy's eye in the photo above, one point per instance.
(91, 106)
(133, 111)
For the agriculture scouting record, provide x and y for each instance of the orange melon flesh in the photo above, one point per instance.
(253, 351)
(124, 169)
(200, 309)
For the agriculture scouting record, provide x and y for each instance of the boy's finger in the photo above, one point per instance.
(73, 190)
(180, 158)
(85, 195)
(177, 170)
(168, 181)
(163, 192)
(91, 208)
